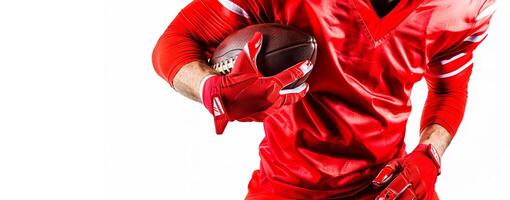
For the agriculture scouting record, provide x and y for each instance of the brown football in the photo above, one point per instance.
(282, 47)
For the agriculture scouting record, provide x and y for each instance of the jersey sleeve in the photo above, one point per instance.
(199, 28)
(449, 71)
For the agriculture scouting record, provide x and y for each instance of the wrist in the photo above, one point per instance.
(201, 86)
(437, 136)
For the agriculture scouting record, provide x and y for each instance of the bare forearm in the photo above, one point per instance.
(437, 136)
(187, 80)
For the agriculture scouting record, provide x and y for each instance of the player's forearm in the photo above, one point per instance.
(437, 136)
(187, 80)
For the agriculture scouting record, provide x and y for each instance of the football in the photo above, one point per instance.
(282, 47)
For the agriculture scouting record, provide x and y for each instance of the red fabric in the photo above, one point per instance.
(245, 95)
(447, 97)
(256, 192)
(411, 177)
(446, 102)
(353, 119)
(194, 32)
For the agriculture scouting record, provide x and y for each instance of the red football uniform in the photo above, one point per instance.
(352, 122)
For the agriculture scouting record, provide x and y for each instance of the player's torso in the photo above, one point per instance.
(353, 119)
(358, 50)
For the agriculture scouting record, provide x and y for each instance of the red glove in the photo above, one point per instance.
(411, 177)
(246, 95)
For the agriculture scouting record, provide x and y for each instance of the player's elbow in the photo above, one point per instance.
(156, 60)
(162, 59)
(175, 48)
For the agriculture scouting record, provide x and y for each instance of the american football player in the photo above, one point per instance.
(340, 135)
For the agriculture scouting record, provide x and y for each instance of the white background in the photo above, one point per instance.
(84, 116)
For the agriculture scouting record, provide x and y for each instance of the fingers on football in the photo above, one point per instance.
(293, 95)
(395, 189)
(245, 62)
(252, 48)
(293, 73)
(243, 65)
(386, 174)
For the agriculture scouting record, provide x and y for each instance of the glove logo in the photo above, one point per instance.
(217, 107)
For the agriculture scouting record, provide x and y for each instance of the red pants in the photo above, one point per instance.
(255, 192)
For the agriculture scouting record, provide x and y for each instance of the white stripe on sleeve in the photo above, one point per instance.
(234, 8)
(444, 62)
(476, 38)
(457, 71)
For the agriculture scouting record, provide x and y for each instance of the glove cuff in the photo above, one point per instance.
(211, 98)
(431, 152)
(201, 87)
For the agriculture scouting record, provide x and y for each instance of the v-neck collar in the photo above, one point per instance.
(378, 27)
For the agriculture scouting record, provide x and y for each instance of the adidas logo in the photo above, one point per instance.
(218, 107)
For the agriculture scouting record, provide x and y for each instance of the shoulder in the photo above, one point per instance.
(454, 15)
(450, 22)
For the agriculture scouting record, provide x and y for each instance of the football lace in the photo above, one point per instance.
(225, 66)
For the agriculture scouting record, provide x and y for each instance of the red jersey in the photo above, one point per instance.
(352, 121)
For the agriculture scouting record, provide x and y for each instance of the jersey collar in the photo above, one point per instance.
(379, 27)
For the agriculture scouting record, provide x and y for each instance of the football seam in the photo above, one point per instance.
(240, 49)
(218, 66)
(295, 45)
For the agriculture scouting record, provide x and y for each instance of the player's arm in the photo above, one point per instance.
(188, 78)
(447, 81)
(414, 176)
(181, 53)
(437, 136)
